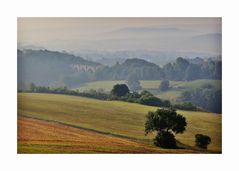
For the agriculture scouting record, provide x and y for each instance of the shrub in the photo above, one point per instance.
(202, 141)
(150, 100)
(186, 106)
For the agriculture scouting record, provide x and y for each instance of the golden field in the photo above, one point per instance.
(106, 120)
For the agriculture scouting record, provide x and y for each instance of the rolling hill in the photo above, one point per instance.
(138, 67)
(44, 67)
(121, 119)
(39, 136)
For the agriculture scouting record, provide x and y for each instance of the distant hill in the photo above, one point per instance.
(44, 67)
(182, 70)
(158, 57)
(57, 69)
(137, 67)
(215, 37)
(209, 42)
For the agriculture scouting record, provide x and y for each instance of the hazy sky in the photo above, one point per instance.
(76, 34)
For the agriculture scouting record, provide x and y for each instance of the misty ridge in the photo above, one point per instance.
(51, 68)
(113, 35)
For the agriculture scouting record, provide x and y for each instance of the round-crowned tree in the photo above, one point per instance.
(120, 90)
(167, 123)
(202, 141)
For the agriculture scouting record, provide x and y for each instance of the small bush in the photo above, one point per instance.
(202, 141)
(186, 106)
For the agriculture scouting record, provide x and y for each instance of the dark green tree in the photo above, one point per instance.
(202, 141)
(164, 85)
(120, 90)
(166, 122)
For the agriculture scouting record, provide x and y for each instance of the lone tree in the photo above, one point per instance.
(166, 122)
(164, 85)
(133, 83)
(120, 90)
(202, 141)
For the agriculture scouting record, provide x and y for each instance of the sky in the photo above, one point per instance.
(112, 34)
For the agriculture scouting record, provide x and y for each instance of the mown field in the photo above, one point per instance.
(39, 136)
(176, 87)
(114, 118)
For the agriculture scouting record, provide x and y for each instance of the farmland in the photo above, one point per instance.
(121, 120)
(38, 136)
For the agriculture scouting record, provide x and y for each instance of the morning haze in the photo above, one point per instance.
(201, 35)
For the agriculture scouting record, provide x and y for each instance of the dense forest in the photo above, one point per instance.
(180, 70)
(206, 97)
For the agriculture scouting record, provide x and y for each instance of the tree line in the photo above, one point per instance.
(206, 97)
(119, 92)
(180, 70)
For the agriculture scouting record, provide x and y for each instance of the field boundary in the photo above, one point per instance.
(89, 129)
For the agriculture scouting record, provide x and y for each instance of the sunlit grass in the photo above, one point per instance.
(115, 117)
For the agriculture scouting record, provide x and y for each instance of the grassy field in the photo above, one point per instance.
(120, 119)
(176, 87)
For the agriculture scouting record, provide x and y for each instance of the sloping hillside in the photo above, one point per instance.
(43, 67)
(113, 117)
(39, 136)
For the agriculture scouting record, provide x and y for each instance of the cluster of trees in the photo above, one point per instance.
(206, 97)
(167, 123)
(184, 70)
(119, 92)
(122, 92)
(180, 70)
(44, 67)
(64, 90)
(186, 106)
(140, 68)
